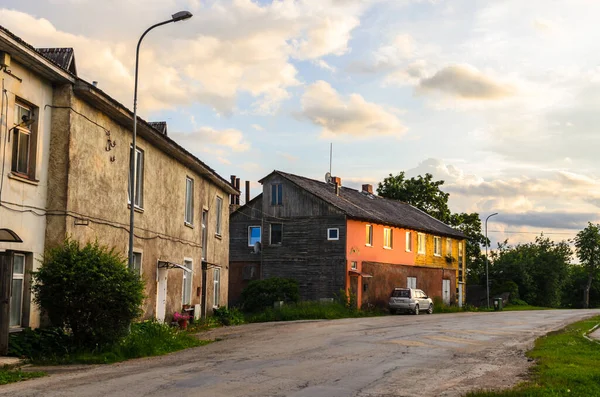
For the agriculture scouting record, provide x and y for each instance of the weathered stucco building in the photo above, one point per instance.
(332, 238)
(75, 184)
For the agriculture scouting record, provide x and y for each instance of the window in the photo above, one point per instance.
(276, 233)
(408, 241)
(253, 235)
(217, 287)
(139, 179)
(437, 246)
(353, 265)
(23, 155)
(333, 234)
(421, 243)
(219, 215)
(460, 254)
(277, 194)
(204, 233)
(187, 283)
(369, 237)
(387, 237)
(411, 282)
(16, 299)
(136, 266)
(448, 246)
(189, 201)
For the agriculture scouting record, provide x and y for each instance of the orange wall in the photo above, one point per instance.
(358, 251)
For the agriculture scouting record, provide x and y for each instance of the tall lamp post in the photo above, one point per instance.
(179, 16)
(487, 275)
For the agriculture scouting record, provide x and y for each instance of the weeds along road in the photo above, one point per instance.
(404, 355)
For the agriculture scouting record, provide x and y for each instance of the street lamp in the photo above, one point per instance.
(487, 275)
(179, 16)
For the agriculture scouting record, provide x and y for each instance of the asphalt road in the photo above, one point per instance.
(404, 355)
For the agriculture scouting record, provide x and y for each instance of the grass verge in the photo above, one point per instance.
(148, 338)
(310, 311)
(514, 308)
(566, 365)
(8, 375)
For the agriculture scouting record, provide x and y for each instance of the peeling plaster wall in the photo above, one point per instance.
(96, 187)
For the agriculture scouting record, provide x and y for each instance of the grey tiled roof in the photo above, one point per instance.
(63, 57)
(371, 208)
(159, 125)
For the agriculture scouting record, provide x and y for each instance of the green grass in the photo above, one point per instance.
(513, 308)
(566, 365)
(8, 375)
(310, 311)
(148, 338)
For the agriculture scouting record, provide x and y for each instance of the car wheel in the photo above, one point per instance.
(416, 310)
(430, 310)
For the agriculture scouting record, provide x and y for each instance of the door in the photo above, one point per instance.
(161, 295)
(460, 294)
(411, 282)
(446, 291)
(354, 286)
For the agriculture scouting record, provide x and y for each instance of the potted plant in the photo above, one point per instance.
(182, 319)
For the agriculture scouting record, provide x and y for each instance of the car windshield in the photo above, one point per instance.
(401, 293)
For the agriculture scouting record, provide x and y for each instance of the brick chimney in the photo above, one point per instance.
(337, 181)
(247, 192)
(366, 188)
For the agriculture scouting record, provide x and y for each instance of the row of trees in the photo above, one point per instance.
(540, 272)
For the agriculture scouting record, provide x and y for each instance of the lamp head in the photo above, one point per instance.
(181, 16)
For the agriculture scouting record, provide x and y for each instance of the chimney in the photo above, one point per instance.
(247, 192)
(367, 188)
(232, 178)
(337, 181)
(237, 186)
(95, 83)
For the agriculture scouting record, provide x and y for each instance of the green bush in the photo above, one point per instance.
(508, 286)
(518, 302)
(40, 342)
(227, 316)
(261, 294)
(89, 292)
(310, 310)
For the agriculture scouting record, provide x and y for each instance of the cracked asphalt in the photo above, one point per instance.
(404, 355)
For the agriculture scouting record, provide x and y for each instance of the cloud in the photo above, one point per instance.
(324, 65)
(548, 220)
(257, 127)
(351, 117)
(227, 49)
(229, 138)
(465, 82)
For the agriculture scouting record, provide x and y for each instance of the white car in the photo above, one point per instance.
(410, 300)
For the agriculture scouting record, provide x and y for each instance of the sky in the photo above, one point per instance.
(497, 98)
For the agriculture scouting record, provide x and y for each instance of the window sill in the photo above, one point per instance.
(437, 255)
(421, 253)
(408, 250)
(190, 225)
(387, 248)
(368, 245)
(136, 208)
(23, 178)
(217, 235)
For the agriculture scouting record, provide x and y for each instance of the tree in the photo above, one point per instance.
(421, 192)
(426, 194)
(89, 292)
(587, 243)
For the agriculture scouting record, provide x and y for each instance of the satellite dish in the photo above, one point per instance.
(257, 247)
(328, 177)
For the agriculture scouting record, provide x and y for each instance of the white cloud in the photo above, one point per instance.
(324, 65)
(351, 117)
(257, 127)
(229, 138)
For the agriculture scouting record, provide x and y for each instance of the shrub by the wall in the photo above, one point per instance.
(261, 294)
(88, 291)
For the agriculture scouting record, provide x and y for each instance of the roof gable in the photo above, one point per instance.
(63, 57)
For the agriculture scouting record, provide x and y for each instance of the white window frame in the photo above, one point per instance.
(271, 234)
(388, 238)
(408, 242)
(448, 246)
(139, 178)
(460, 253)
(21, 277)
(204, 221)
(421, 243)
(219, 210)
(189, 201)
(437, 246)
(18, 132)
(216, 287)
(354, 265)
(276, 198)
(411, 282)
(369, 242)
(337, 236)
(189, 280)
(250, 235)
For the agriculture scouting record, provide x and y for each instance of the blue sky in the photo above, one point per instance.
(497, 98)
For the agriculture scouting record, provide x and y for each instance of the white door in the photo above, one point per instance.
(161, 295)
(411, 282)
(446, 291)
(460, 295)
